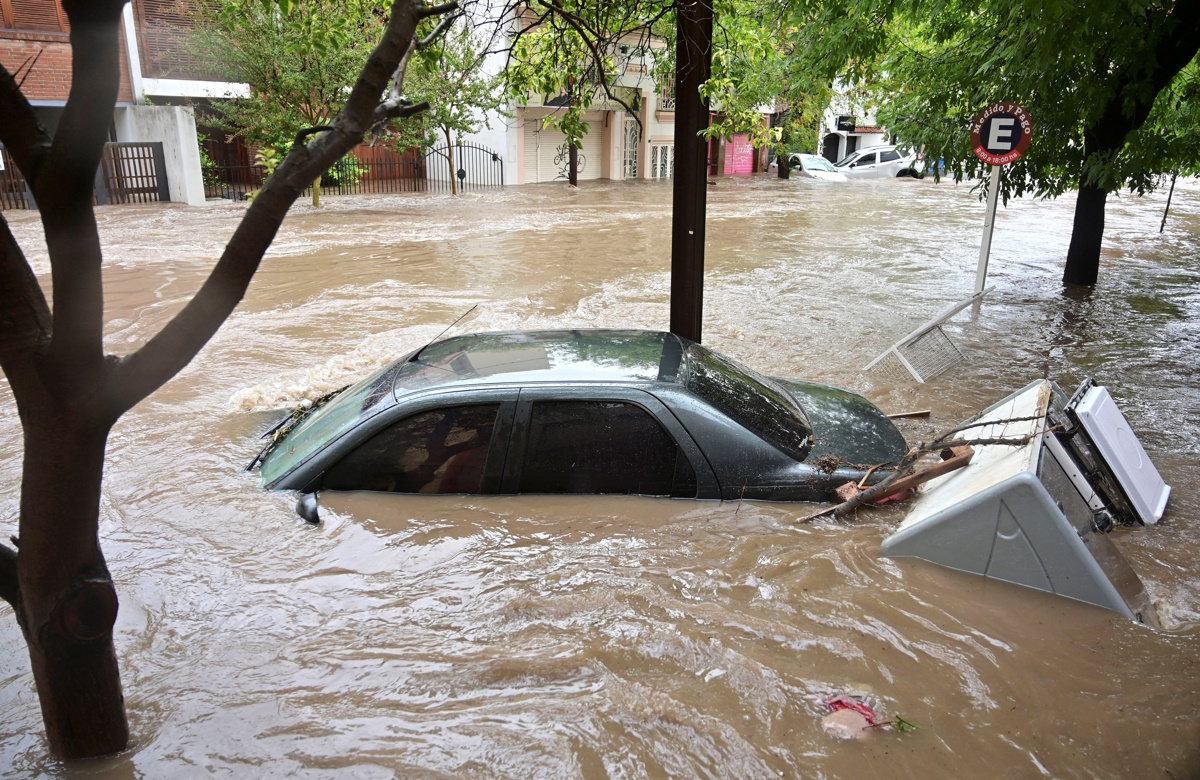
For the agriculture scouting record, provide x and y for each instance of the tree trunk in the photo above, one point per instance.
(784, 167)
(1083, 255)
(68, 604)
(316, 187)
(573, 165)
(450, 162)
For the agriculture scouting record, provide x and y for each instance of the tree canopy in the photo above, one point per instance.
(1107, 83)
(449, 75)
(298, 58)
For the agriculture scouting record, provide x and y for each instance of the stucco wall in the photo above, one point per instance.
(175, 126)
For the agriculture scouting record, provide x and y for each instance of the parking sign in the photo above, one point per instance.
(1000, 133)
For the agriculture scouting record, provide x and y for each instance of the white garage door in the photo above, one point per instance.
(546, 157)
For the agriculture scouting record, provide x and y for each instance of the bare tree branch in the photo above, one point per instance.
(20, 132)
(442, 26)
(65, 183)
(438, 10)
(139, 374)
(10, 588)
(24, 315)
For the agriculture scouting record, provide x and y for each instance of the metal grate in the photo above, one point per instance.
(931, 353)
(924, 353)
(892, 368)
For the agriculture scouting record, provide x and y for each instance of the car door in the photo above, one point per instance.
(864, 166)
(602, 440)
(890, 163)
(440, 443)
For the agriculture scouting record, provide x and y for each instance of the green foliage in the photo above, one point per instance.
(268, 158)
(449, 74)
(346, 172)
(570, 53)
(299, 59)
(568, 49)
(1088, 74)
(208, 168)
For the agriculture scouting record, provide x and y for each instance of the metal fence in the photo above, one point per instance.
(348, 176)
(475, 167)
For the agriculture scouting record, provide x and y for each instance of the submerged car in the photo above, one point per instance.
(583, 411)
(815, 167)
(879, 162)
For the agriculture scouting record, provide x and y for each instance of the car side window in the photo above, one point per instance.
(889, 156)
(439, 451)
(599, 447)
(866, 159)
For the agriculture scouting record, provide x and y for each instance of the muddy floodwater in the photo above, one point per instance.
(590, 637)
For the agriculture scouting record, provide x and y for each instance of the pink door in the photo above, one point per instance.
(739, 155)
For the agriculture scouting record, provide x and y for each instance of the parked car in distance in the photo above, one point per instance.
(583, 411)
(880, 162)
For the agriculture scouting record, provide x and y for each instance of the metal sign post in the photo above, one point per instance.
(1000, 134)
(989, 222)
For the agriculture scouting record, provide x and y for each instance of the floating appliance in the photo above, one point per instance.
(1034, 509)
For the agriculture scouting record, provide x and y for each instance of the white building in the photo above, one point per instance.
(846, 128)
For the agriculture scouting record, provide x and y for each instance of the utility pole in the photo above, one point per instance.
(693, 64)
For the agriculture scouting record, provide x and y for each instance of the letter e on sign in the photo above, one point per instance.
(1000, 133)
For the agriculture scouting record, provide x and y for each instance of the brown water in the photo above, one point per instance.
(543, 637)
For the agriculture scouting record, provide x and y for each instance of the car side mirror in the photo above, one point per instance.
(853, 164)
(306, 507)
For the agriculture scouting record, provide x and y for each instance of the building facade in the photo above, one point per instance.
(156, 71)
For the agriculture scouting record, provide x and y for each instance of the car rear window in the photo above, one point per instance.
(889, 156)
(597, 447)
(750, 398)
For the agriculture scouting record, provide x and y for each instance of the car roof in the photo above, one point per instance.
(545, 356)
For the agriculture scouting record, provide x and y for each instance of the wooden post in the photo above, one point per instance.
(693, 63)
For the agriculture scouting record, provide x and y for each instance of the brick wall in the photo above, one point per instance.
(51, 76)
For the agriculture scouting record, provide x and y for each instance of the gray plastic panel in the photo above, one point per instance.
(1015, 532)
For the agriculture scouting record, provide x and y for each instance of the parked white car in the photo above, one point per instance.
(879, 162)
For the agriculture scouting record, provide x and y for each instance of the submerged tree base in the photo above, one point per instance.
(1083, 255)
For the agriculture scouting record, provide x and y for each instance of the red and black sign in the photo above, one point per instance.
(1001, 133)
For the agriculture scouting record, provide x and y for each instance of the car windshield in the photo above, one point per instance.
(847, 159)
(750, 398)
(815, 163)
(331, 420)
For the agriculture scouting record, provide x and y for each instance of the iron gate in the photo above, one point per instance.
(133, 172)
(475, 167)
(633, 140)
(14, 194)
(129, 172)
